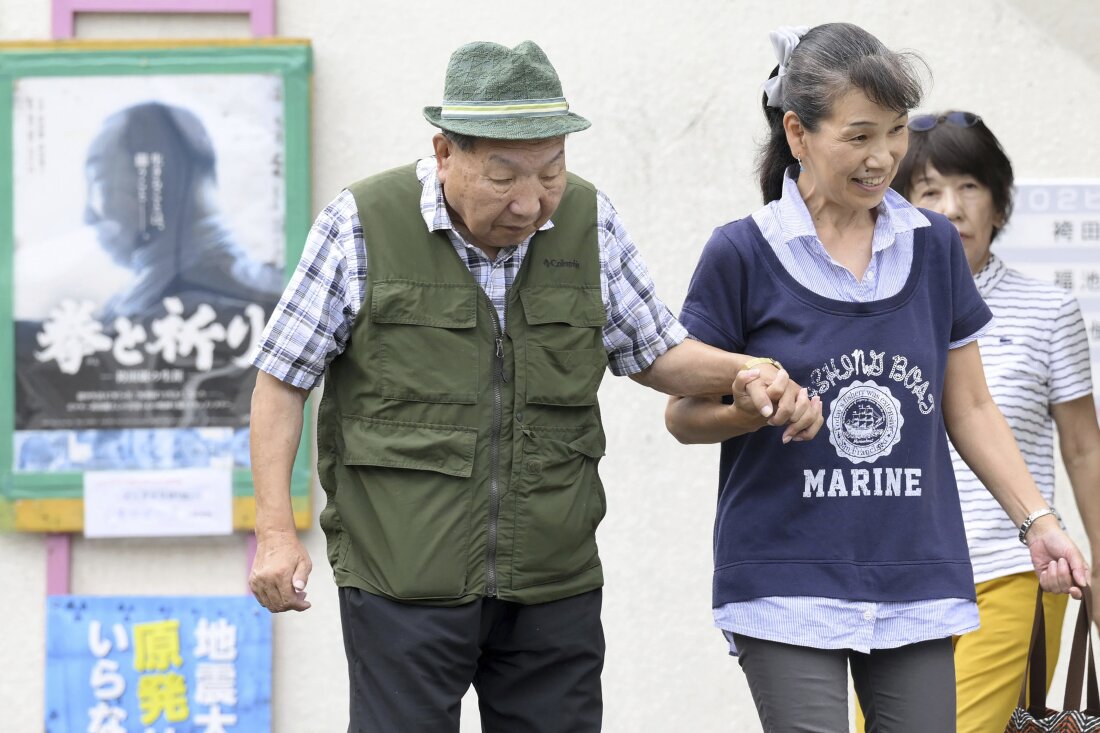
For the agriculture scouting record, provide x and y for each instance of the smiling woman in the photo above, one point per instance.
(847, 165)
(838, 270)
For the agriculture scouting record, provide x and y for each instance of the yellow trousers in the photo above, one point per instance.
(989, 662)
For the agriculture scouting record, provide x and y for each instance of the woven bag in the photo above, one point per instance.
(1036, 717)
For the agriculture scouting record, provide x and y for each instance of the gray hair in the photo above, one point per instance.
(465, 143)
(828, 62)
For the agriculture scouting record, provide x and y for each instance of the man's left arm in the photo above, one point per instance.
(645, 341)
(693, 369)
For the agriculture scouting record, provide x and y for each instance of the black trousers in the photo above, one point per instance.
(535, 668)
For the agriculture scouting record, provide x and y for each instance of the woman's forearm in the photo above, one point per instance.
(982, 436)
(985, 441)
(704, 420)
(1079, 439)
(1084, 477)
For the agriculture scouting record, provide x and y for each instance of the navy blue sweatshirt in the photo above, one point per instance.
(868, 510)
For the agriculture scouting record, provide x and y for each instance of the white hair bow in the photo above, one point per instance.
(784, 39)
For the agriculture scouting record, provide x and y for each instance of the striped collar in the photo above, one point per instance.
(433, 207)
(895, 215)
(988, 277)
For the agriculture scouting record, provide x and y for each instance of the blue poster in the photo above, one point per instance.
(147, 664)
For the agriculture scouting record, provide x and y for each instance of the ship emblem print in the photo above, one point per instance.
(865, 422)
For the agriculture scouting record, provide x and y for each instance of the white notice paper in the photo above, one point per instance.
(165, 503)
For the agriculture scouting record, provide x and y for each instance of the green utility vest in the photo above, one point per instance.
(458, 458)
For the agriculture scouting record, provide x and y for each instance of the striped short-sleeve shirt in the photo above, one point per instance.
(1035, 356)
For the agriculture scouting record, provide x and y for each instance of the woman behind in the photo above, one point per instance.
(1037, 365)
(849, 548)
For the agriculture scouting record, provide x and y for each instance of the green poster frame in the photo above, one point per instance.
(52, 501)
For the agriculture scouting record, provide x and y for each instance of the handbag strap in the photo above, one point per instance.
(1035, 673)
(1082, 642)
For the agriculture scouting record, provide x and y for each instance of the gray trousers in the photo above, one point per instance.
(798, 689)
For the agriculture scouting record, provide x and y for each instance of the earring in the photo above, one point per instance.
(800, 166)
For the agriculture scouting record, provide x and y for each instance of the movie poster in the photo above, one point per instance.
(156, 203)
(149, 243)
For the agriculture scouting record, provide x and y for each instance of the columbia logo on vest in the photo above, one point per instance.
(561, 263)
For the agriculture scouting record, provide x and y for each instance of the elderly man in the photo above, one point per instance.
(462, 311)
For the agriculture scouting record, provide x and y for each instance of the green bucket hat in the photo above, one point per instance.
(492, 91)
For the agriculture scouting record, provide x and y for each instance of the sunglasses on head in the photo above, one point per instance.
(924, 123)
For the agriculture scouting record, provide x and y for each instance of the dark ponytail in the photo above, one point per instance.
(775, 155)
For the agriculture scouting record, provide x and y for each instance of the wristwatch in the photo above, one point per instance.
(1036, 515)
(758, 360)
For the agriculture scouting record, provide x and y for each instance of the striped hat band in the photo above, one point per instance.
(504, 110)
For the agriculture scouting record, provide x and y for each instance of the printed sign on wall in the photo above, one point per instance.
(153, 200)
(117, 664)
(1054, 236)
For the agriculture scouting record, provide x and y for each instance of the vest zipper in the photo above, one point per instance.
(494, 460)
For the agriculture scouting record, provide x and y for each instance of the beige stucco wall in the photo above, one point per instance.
(672, 90)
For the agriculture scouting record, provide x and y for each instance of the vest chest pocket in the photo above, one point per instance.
(426, 340)
(565, 357)
(559, 503)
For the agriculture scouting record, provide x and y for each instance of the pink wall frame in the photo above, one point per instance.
(58, 561)
(261, 12)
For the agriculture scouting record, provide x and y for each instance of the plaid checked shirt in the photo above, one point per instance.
(313, 321)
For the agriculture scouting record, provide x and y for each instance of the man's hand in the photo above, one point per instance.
(1058, 562)
(280, 572)
(780, 401)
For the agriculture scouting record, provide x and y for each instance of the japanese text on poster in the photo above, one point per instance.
(1054, 236)
(157, 665)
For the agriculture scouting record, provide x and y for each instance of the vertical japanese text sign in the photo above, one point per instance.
(157, 665)
(1054, 236)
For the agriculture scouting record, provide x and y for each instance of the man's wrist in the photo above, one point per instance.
(265, 533)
